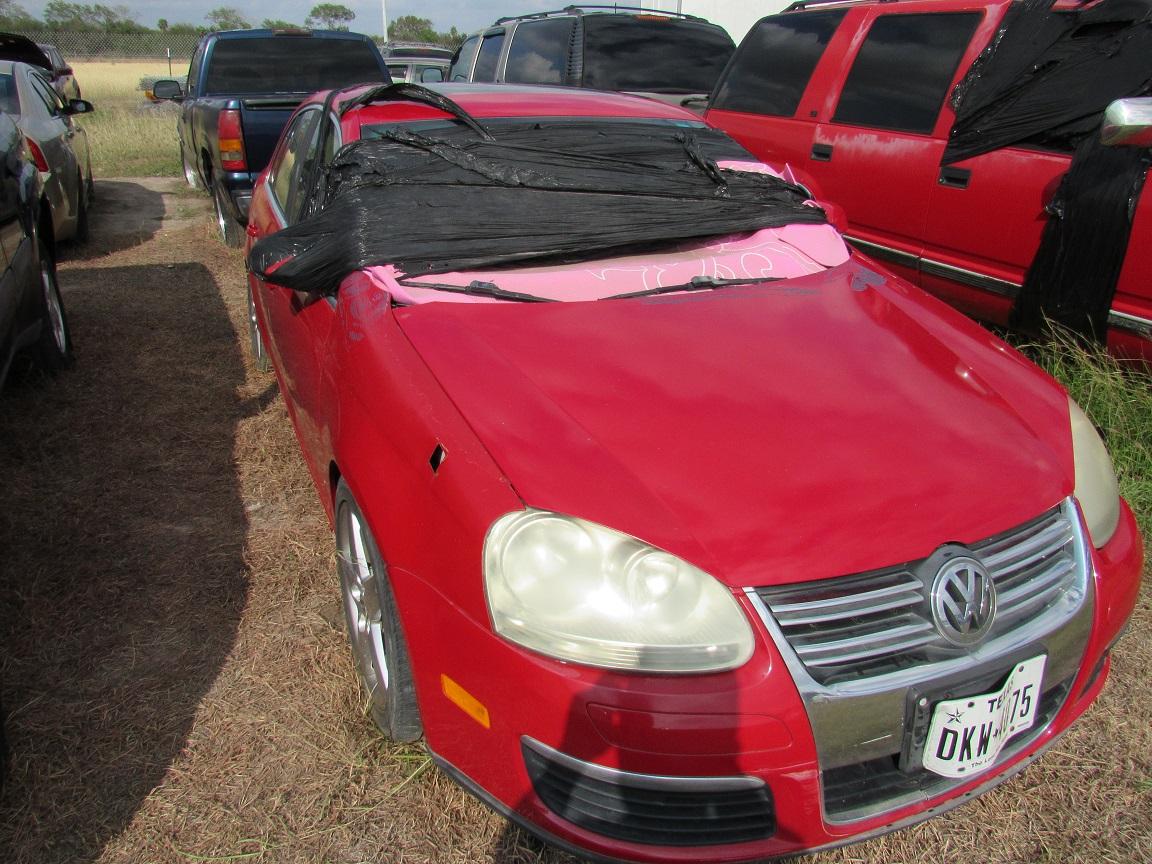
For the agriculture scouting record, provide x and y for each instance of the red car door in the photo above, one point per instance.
(296, 325)
(877, 150)
(984, 227)
(1130, 325)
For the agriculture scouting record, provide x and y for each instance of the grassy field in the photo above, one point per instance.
(129, 136)
(1119, 401)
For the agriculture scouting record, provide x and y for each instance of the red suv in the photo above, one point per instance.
(962, 138)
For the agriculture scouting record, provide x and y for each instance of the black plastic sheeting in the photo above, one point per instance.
(1047, 77)
(1045, 80)
(434, 201)
(1073, 277)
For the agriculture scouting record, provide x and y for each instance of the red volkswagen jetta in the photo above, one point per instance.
(679, 531)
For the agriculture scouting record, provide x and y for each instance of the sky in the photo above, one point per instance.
(465, 15)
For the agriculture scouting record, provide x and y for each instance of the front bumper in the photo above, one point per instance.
(592, 760)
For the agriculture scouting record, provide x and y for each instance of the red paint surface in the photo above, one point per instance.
(830, 424)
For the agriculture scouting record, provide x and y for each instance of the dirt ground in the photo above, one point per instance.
(173, 668)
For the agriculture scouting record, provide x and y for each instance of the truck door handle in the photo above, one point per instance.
(955, 178)
(822, 152)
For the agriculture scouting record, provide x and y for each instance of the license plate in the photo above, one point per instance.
(966, 735)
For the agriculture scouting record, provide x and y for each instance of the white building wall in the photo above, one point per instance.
(735, 16)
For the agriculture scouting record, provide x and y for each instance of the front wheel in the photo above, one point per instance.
(229, 228)
(374, 631)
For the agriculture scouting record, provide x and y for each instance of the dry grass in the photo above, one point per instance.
(177, 687)
(129, 136)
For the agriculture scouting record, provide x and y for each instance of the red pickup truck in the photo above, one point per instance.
(962, 138)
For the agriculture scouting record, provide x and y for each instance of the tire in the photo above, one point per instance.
(82, 203)
(374, 630)
(189, 171)
(229, 228)
(259, 356)
(54, 347)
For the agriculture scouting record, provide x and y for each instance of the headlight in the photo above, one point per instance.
(581, 592)
(1096, 488)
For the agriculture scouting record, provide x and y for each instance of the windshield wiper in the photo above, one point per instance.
(698, 283)
(478, 289)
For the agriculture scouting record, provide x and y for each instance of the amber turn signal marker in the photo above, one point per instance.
(465, 701)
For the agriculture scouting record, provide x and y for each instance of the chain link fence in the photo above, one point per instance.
(144, 44)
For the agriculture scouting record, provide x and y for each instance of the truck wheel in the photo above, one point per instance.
(230, 230)
(189, 171)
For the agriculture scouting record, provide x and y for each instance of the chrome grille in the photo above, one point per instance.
(873, 623)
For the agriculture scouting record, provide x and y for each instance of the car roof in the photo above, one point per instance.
(527, 100)
(630, 11)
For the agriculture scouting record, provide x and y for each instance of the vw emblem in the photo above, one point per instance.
(963, 601)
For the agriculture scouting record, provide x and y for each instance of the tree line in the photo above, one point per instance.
(98, 18)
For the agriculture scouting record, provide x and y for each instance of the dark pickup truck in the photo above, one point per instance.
(242, 87)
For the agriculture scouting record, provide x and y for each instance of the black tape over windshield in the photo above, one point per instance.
(434, 201)
(1045, 81)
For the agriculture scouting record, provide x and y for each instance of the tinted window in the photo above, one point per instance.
(51, 99)
(775, 62)
(289, 64)
(656, 55)
(9, 97)
(903, 70)
(462, 62)
(486, 59)
(194, 71)
(398, 71)
(539, 51)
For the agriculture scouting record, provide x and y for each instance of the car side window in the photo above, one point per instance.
(488, 56)
(538, 53)
(901, 75)
(289, 168)
(47, 94)
(771, 70)
(194, 71)
(462, 61)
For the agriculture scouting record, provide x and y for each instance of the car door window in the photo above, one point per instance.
(48, 96)
(538, 53)
(194, 71)
(462, 62)
(771, 70)
(289, 168)
(488, 56)
(902, 72)
(9, 96)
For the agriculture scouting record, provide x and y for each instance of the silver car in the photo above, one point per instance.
(59, 147)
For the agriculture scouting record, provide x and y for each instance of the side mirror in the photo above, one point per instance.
(168, 89)
(431, 76)
(1128, 123)
(79, 106)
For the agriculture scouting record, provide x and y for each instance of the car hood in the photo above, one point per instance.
(769, 434)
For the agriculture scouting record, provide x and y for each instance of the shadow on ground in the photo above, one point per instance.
(123, 215)
(122, 577)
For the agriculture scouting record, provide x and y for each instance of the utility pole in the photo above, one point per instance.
(384, 13)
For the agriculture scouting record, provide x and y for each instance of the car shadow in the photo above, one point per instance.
(122, 578)
(127, 213)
